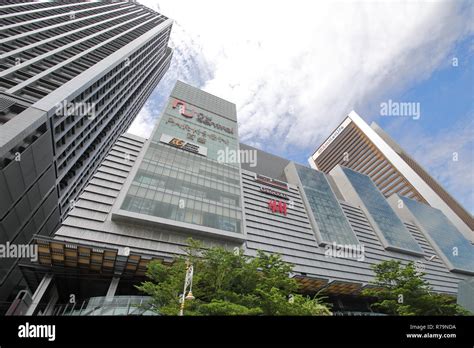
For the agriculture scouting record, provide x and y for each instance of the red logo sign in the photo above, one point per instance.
(277, 206)
(201, 118)
(271, 182)
(182, 108)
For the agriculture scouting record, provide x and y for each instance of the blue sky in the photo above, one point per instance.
(292, 84)
(444, 130)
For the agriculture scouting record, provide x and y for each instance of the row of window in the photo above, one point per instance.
(190, 163)
(105, 93)
(106, 111)
(22, 8)
(79, 65)
(129, 108)
(194, 212)
(24, 17)
(190, 185)
(45, 33)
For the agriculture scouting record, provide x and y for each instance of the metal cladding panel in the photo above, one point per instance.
(266, 163)
(466, 294)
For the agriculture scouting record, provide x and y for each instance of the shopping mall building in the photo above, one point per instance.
(149, 196)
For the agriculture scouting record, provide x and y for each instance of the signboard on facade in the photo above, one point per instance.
(277, 206)
(184, 145)
(271, 182)
(200, 117)
(332, 137)
(272, 192)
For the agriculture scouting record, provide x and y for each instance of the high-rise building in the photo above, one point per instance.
(149, 197)
(369, 150)
(73, 76)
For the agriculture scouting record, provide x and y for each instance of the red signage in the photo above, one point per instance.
(277, 206)
(182, 108)
(271, 182)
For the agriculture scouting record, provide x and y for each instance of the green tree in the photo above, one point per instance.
(227, 283)
(401, 290)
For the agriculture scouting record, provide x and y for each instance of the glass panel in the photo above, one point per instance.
(173, 183)
(332, 222)
(387, 222)
(454, 246)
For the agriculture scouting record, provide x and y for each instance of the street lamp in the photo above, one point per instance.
(188, 281)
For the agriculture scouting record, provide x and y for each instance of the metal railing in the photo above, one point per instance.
(118, 305)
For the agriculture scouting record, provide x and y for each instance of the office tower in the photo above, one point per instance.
(369, 150)
(73, 76)
(148, 198)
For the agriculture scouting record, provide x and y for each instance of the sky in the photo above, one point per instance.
(296, 68)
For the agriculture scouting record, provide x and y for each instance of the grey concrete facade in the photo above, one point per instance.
(73, 76)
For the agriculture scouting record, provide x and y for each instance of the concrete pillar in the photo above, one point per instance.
(112, 288)
(39, 293)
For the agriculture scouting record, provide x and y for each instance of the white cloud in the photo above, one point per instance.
(318, 59)
(188, 65)
(296, 68)
(448, 156)
(144, 121)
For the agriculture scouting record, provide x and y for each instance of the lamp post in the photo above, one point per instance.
(188, 281)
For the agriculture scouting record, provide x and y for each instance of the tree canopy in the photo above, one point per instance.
(228, 283)
(401, 290)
